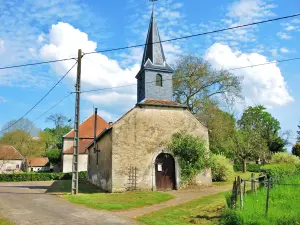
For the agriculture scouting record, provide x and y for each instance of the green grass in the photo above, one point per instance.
(4, 221)
(284, 206)
(119, 201)
(204, 210)
(246, 175)
(64, 186)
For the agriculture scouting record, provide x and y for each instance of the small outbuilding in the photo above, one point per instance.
(38, 164)
(10, 159)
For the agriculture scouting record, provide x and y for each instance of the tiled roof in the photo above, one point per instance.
(86, 128)
(161, 102)
(38, 161)
(83, 144)
(8, 152)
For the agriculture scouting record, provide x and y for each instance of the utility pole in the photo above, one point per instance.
(76, 127)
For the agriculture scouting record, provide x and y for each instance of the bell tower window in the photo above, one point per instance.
(159, 81)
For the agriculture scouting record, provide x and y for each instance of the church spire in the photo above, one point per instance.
(154, 55)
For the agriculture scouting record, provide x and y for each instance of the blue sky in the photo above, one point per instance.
(37, 31)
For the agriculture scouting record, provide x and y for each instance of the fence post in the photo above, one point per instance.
(268, 196)
(241, 193)
(244, 191)
(252, 182)
(233, 195)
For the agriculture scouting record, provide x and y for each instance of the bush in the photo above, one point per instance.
(192, 153)
(54, 156)
(284, 157)
(280, 171)
(221, 168)
(255, 168)
(16, 177)
(296, 149)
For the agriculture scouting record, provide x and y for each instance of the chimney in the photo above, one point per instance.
(95, 129)
(110, 124)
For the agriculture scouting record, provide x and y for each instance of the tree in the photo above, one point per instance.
(54, 156)
(221, 129)
(296, 149)
(248, 144)
(53, 136)
(23, 125)
(258, 118)
(24, 143)
(196, 84)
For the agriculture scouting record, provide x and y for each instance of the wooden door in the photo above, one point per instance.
(165, 172)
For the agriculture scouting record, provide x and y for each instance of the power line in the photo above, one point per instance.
(39, 100)
(168, 40)
(237, 68)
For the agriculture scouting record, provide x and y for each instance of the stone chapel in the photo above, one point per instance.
(131, 153)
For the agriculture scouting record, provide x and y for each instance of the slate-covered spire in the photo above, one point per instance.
(154, 56)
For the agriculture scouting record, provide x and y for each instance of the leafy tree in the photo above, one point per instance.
(54, 156)
(296, 149)
(248, 144)
(24, 143)
(197, 84)
(259, 119)
(192, 153)
(221, 129)
(53, 136)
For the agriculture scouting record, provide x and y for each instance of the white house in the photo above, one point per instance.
(86, 134)
(38, 164)
(10, 159)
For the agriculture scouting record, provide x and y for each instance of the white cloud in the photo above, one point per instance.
(274, 52)
(2, 48)
(283, 35)
(284, 50)
(247, 11)
(290, 27)
(263, 84)
(98, 71)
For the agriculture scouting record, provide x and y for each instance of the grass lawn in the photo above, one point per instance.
(246, 175)
(64, 186)
(5, 221)
(284, 206)
(119, 201)
(204, 210)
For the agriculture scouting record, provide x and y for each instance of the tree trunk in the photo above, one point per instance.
(244, 166)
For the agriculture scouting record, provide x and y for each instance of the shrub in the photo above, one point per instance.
(284, 157)
(280, 171)
(192, 153)
(54, 156)
(221, 168)
(250, 167)
(16, 177)
(296, 149)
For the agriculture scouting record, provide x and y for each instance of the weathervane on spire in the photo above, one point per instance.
(153, 2)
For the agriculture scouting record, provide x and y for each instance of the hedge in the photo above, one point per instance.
(39, 176)
(280, 171)
(256, 168)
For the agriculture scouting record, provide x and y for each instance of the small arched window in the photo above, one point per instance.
(159, 81)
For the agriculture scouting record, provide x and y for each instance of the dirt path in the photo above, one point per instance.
(181, 197)
(26, 203)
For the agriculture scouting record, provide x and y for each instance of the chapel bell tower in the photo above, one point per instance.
(154, 80)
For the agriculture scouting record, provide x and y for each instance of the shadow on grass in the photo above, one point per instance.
(64, 186)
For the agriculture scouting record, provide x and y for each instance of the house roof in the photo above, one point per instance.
(36, 161)
(86, 128)
(157, 102)
(83, 145)
(8, 152)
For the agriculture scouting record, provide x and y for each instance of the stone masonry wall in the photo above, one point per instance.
(140, 135)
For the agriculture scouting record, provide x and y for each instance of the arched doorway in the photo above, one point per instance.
(165, 172)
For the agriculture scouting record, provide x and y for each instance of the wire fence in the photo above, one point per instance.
(241, 187)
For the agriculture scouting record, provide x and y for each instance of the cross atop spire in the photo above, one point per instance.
(153, 3)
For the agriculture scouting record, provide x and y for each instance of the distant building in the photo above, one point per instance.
(38, 164)
(10, 159)
(86, 136)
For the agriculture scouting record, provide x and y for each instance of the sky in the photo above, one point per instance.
(37, 30)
